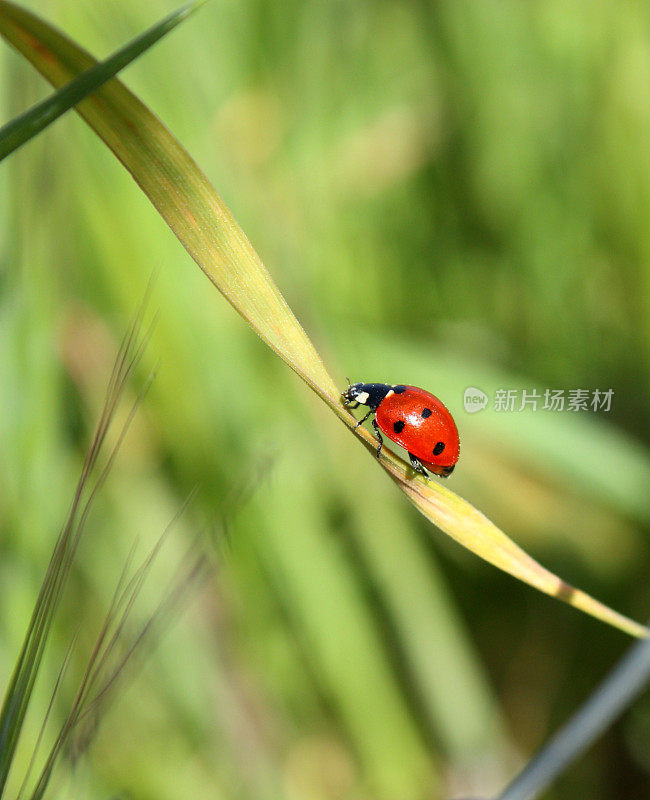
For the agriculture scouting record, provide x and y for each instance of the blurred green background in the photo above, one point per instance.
(449, 194)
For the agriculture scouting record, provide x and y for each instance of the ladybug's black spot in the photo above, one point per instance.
(399, 389)
(398, 426)
(440, 446)
(426, 412)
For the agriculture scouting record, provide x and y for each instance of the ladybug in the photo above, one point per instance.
(412, 417)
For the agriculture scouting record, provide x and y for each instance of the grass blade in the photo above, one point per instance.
(19, 691)
(201, 221)
(178, 189)
(611, 698)
(31, 122)
(37, 744)
(474, 531)
(115, 651)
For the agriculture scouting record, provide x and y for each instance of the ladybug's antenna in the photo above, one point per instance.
(348, 380)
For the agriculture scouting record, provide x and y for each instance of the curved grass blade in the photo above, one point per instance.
(200, 219)
(34, 120)
(177, 188)
(474, 531)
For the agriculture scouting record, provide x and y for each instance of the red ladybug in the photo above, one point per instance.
(412, 417)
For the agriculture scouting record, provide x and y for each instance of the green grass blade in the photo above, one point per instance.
(31, 122)
(198, 216)
(178, 189)
(115, 651)
(19, 691)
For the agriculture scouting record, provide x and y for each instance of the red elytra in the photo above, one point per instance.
(413, 418)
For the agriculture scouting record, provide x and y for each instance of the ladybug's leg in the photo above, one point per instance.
(379, 436)
(352, 404)
(363, 419)
(417, 465)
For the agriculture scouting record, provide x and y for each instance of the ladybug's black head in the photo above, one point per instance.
(366, 394)
(353, 391)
